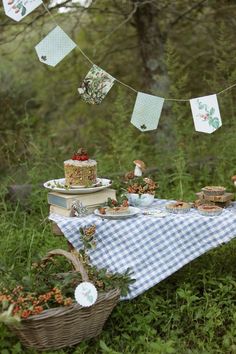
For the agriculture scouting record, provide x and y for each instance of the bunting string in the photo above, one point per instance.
(226, 89)
(49, 12)
(97, 83)
(123, 83)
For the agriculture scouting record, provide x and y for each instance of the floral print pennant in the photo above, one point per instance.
(206, 114)
(95, 85)
(18, 9)
(147, 111)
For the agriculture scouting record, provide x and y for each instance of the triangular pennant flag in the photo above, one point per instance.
(18, 9)
(206, 114)
(54, 47)
(147, 111)
(95, 86)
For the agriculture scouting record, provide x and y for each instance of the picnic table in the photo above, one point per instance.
(152, 247)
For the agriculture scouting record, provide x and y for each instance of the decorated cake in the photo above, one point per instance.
(213, 190)
(209, 210)
(80, 170)
(178, 207)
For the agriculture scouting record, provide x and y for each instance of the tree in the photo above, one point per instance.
(129, 40)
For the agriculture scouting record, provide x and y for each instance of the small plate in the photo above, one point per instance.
(155, 212)
(132, 212)
(58, 185)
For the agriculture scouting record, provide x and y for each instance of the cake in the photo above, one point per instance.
(209, 210)
(80, 170)
(178, 207)
(115, 208)
(213, 190)
(120, 210)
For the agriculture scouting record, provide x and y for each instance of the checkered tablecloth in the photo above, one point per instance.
(152, 247)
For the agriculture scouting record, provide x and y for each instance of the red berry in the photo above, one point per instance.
(125, 203)
(80, 157)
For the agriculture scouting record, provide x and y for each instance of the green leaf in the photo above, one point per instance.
(23, 11)
(215, 122)
(16, 348)
(212, 110)
(7, 318)
(105, 348)
(5, 351)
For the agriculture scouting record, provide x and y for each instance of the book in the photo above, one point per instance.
(90, 199)
(216, 198)
(54, 209)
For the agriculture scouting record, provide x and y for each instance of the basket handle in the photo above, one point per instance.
(72, 257)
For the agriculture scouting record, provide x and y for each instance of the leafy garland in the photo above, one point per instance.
(55, 287)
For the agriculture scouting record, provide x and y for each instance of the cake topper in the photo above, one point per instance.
(81, 155)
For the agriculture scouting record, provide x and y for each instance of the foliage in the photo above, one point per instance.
(193, 311)
(141, 185)
(39, 130)
(114, 203)
(51, 288)
(43, 120)
(115, 152)
(20, 303)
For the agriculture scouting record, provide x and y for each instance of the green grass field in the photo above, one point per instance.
(193, 311)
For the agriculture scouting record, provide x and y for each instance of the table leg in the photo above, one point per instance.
(57, 231)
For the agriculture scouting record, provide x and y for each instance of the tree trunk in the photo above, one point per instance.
(151, 46)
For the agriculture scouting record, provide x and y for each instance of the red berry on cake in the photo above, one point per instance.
(81, 155)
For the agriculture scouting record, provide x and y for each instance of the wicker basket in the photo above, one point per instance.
(65, 326)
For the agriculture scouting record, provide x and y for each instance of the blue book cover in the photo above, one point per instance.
(89, 199)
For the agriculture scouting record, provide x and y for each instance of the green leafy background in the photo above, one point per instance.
(43, 121)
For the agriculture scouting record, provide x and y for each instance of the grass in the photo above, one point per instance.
(193, 311)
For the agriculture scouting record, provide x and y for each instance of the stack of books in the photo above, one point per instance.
(61, 203)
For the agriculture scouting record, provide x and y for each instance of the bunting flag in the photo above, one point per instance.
(54, 47)
(95, 85)
(147, 111)
(18, 9)
(206, 114)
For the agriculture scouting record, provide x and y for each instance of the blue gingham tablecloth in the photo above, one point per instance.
(152, 247)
